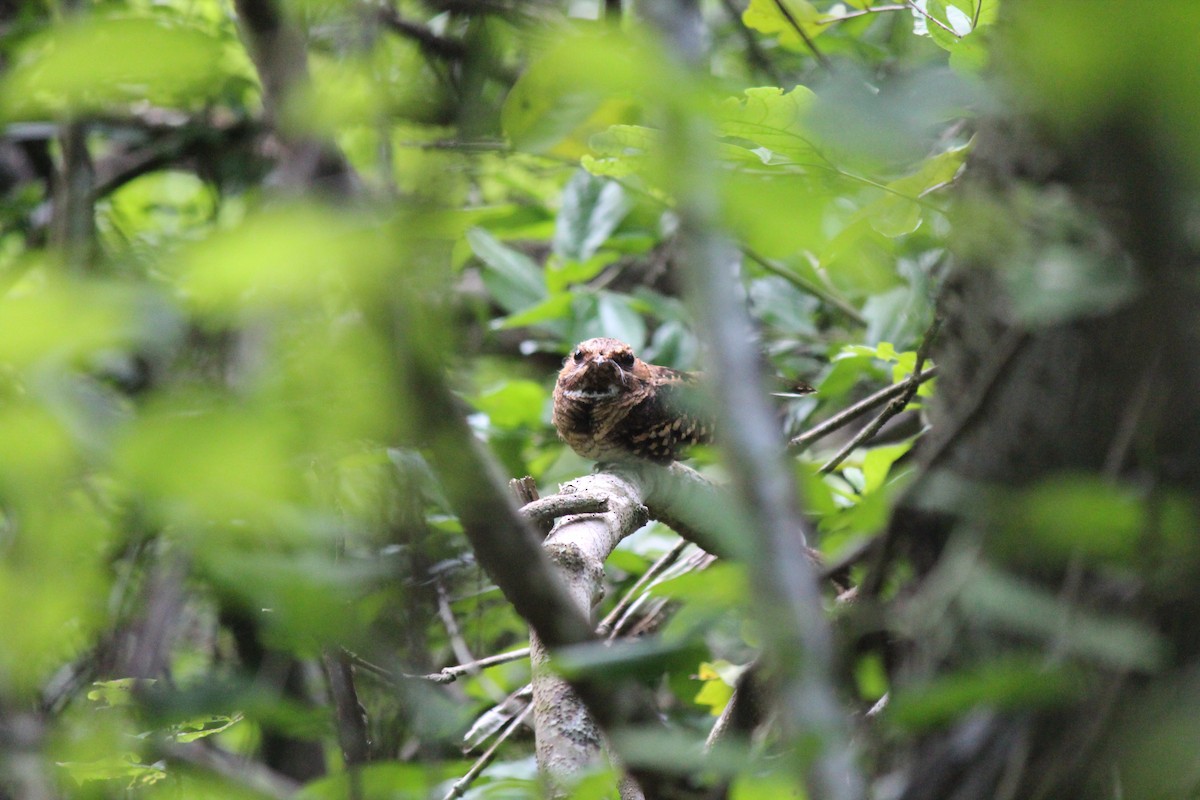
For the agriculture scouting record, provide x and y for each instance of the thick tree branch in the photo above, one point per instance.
(568, 741)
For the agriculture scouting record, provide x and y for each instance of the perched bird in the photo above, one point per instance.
(610, 405)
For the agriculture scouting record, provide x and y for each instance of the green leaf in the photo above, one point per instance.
(618, 320)
(1078, 516)
(870, 676)
(113, 693)
(125, 767)
(783, 17)
(777, 216)
(877, 464)
(560, 275)
(860, 261)
(1010, 603)
(719, 679)
(97, 64)
(513, 404)
(587, 81)
(203, 727)
(591, 210)
(547, 314)
(379, 781)
(898, 212)
(770, 118)
(511, 277)
(624, 150)
(1012, 683)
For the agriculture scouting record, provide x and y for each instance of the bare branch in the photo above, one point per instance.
(560, 505)
(848, 415)
(803, 34)
(893, 408)
(348, 713)
(460, 786)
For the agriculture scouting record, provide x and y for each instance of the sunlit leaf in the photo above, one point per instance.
(793, 20)
(623, 150)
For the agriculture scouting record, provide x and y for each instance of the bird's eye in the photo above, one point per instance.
(577, 356)
(624, 359)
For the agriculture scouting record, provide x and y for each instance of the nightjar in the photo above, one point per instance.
(610, 405)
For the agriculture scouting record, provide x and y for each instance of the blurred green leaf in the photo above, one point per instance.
(1022, 607)
(125, 768)
(777, 216)
(870, 676)
(89, 65)
(113, 693)
(513, 404)
(386, 781)
(584, 83)
(644, 658)
(284, 257)
(899, 211)
(623, 150)
(877, 464)
(227, 465)
(1006, 683)
(203, 727)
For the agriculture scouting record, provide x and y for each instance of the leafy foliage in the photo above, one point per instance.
(210, 465)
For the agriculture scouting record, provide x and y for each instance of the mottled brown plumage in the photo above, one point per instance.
(610, 405)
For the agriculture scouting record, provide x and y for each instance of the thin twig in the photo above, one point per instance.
(916, 8)
(1131, 417)
(966, 412)
(808, 42)
(863, 12)
(754, 52)
(447, 675)
(453, 631)
(893, 408)
(460, 786)
(349, 716)
(423, 35)
(657, 568)
(848, 415)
